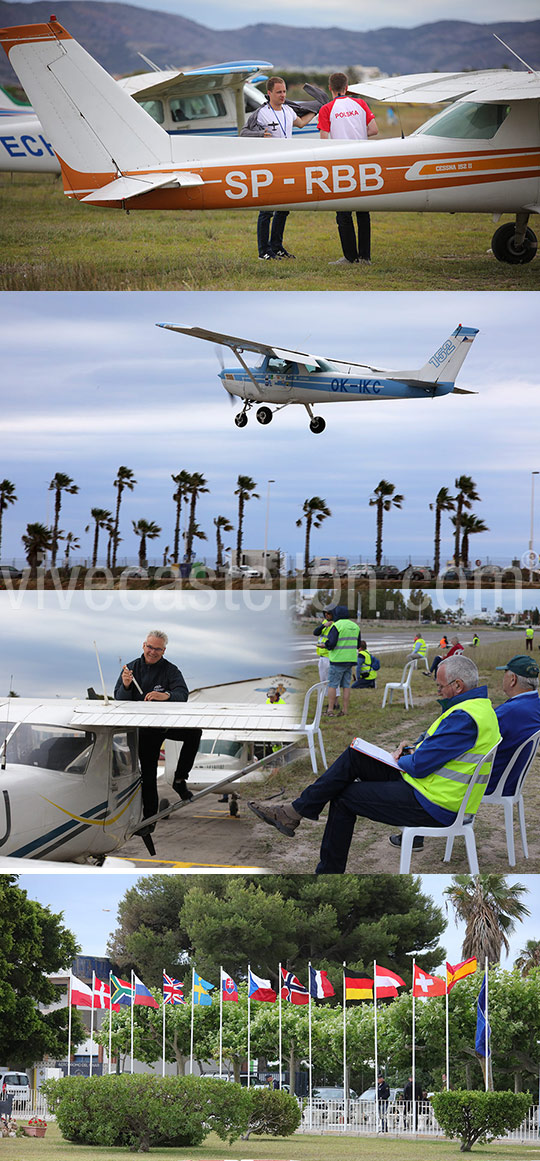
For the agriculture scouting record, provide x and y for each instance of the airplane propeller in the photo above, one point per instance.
(221, 360)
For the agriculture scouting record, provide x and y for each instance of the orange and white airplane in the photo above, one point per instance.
(481, 155)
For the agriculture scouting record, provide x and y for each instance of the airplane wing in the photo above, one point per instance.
(241, 344)
(432, 88)
(167, 83)
(238, 722)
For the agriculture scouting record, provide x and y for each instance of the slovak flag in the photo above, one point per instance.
(426, 985)
(387, 982)
(260, 989)
(292, 990)
(172, 990)
(319, 985)
(142, 995)
(229, 990)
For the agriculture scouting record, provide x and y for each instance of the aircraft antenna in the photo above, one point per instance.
(155, 68)
(4, 753)
(103, 686)
(521, 61)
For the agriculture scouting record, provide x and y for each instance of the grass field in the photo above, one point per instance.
(371, 851)
(51, 243)
(301, 1147)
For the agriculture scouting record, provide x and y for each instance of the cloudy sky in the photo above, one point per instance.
(92, 383)
(344, 13)
(48, 641)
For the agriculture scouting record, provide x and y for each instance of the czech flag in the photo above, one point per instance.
(261, 989)
(229, 990)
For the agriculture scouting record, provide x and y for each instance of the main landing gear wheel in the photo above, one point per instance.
(317, 424)
(506, 249)
(264, 415)
(240, 419)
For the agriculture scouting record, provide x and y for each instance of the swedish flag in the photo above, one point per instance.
(201, 991)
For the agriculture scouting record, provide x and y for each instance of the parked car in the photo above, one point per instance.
(8, 571)
(369, 1094)
(17, 1085)
(415, 573)
(387, 572)
(361, 570)
(237, 571)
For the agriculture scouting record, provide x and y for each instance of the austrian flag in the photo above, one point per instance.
(292, 989)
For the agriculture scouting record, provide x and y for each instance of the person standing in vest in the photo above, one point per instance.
(342, 644)
(348, 118)
(423, 783)
(278, 120)
(529, 634)
(321, 632)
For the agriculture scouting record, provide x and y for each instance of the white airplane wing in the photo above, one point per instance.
(168, 83)
(432, 88)
(237, 722)
(236, 343)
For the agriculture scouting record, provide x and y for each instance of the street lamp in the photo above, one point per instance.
(531, 538)
(265, 554)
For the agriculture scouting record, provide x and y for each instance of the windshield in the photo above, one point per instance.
(50, 747)
(467, 119)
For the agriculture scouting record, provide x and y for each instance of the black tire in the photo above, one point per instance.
(240, 419)
(264, 415)
(505, 249)
(317, 424)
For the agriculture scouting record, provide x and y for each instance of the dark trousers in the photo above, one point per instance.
(150, 743)
(358, 785)
(270, 227)
(353, 249)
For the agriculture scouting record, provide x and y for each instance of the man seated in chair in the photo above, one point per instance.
(424, 788)
(518, 717)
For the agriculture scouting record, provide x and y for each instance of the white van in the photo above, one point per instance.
(17, 1085)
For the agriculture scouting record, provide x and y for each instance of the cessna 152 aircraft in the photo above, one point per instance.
(69, 777)
(285, 377)
(482, 155)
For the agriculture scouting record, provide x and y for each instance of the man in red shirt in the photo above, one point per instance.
(347, 117)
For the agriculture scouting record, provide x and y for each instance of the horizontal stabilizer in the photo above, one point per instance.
(124, 188)
(463, 391)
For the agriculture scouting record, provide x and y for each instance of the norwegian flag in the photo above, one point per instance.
(292, 989)
(172, 991)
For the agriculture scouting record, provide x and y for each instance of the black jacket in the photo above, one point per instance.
(164, 677)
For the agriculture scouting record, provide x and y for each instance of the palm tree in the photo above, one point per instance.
(7, 497)
(466, 496)
(59, 483)
(470, 525)
(529, 957)
(314, 512)
(71, 544)
(37, 542)
(384, 498)
(147, 530)
(195, 487)
(109, 528)
(124, 480)
(489, 907)
(444, 502)
(182, 491)
(245, 491)
(102, 518)
(221, 524)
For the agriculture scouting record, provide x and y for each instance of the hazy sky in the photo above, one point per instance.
(90, 903)
(93, 384)
(344, 13)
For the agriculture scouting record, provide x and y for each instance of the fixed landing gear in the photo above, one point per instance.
(240, 419)
(264, 415)
(317, 424)
(514, 243)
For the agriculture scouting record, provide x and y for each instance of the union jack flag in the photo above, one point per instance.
(172, 991)
(292, 990)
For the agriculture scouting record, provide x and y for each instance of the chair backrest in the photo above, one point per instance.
(407, 673)
(480, 773)
(534, 742)
(321, 688)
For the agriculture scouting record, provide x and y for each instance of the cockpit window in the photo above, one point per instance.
(51, 748)
(154, 109)
(197, 108)
(124, 753)
(281, 367)
(467, 119)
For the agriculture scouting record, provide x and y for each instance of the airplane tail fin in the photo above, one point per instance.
(94, 126)
(447, 361)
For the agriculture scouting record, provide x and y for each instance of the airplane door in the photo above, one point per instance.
(124, 805)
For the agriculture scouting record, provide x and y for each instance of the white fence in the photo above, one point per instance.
(398, 1118)
(35, 1107)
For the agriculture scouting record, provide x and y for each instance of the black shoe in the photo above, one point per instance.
(269, 256)
(224, 798)
(283, 253)
(179, 785)
(418, 842)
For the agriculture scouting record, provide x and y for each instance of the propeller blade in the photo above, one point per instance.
(221, 361)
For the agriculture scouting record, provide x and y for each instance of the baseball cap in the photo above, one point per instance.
(522, 665)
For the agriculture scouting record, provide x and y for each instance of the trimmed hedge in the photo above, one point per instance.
(273, 1112)
(479, 1116)
(140, 1111)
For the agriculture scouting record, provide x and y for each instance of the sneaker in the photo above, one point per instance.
(418, 841)
(268, 257)
(284, 817)
(179, 785)
(343, 262)
(283, 253)
(364, 261)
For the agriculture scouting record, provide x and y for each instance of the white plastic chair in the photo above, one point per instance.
(404, 686)
(463, 825)
(313, 728)
(418, 662)
(498, 798)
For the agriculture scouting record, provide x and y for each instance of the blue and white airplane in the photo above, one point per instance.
(283, 377)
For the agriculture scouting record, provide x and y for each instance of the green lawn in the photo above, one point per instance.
(58, 244)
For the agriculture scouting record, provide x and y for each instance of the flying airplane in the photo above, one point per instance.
(69, 776)
(481, 155)
(284, 377)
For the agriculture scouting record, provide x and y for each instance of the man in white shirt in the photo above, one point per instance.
(278, 120)
(346, 117)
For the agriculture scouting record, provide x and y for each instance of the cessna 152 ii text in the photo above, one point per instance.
(481, 155)
(285, 377)
(69, 775)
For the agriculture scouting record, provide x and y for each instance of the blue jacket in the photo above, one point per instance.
(519, 717)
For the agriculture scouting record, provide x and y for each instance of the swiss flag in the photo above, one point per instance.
(426, 985)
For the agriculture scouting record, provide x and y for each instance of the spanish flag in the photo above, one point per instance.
(357, 987)
(459, 971)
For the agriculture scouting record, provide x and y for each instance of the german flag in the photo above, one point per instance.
(357, 987)
(459, 971)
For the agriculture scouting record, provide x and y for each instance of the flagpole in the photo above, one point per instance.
(220, 1020)
(192, 1014)
(280, 1030)
(249, 1018)
(70, 985)
(414, 1051)
(309, 1041)
(486, 1033)
(376, 1045)
(132, 1011)
(163, 1017)
(344, 1035)
(110, 1021)
(447, 1036)
(90, 1070)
